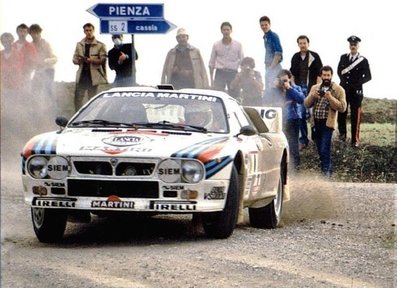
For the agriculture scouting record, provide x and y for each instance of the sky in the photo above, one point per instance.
(327, 24)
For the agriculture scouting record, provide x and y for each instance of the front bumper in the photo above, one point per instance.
(125, 195)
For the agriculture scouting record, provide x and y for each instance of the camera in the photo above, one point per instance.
(322, 90)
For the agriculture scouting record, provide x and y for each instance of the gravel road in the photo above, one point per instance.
(333, 235)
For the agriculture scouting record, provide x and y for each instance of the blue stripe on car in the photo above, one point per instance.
(212, 167)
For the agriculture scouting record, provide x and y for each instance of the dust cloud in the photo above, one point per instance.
(312, 198)
(23, 115)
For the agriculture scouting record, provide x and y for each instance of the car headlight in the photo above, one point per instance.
(192, 171)
(41, 167)
(37, 167)
(187, 171)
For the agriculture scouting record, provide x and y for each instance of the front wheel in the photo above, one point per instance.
(221, 225)
(270, 215)
(49, 224)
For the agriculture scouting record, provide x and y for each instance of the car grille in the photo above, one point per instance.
(105, 188)
(120, 169)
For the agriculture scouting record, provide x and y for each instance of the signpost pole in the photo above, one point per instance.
(133, 54)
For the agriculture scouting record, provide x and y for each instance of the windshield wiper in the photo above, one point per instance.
(169, 125)
(100, 122)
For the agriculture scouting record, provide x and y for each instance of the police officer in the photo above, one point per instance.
(353, 71)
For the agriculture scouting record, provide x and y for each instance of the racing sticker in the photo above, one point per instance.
(172, 206)
(169, 95)
(204, 151)
(63, 202)
(115, 150)
(41, 145)
(113, 202)
(125, 140)
(217, 193)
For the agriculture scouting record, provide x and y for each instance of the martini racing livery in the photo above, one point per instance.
(150, 150)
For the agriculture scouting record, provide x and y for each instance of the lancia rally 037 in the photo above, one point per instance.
(150, 150)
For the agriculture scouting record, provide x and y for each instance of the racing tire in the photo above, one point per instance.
(269, 216)
(220, 225)
(49, 224)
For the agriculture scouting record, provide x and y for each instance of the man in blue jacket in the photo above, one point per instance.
(274, 51)
(287, 95)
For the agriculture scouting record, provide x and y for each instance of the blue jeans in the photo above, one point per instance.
(292, 133)
(271, 75)
(304, 114)
(323, 140)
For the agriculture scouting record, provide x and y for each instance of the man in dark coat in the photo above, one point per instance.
(120, 60)
(305, 68)
(353, 71)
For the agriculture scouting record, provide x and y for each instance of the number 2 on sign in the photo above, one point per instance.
(118, 26)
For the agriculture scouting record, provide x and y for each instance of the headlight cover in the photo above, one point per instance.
(192, 171)
(37, 167)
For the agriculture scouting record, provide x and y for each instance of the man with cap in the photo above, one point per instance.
(184, 66)
(120, 60)
(353, 71)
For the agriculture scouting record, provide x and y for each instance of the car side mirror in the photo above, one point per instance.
(247, 131)
(61, 121)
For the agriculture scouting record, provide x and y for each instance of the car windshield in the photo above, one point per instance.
(155, 110)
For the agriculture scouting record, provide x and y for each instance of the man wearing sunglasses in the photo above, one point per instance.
(353, 71)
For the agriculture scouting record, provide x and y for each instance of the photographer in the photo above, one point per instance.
(327, 99)
(287, 95)
(248, 83)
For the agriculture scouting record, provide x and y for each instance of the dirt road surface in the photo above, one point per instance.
(333, 235)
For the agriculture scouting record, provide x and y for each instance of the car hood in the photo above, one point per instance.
(125, 143)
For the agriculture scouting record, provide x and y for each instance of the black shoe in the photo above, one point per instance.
(355, 145)
(342, 137)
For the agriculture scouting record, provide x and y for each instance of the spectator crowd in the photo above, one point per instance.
(313, 105)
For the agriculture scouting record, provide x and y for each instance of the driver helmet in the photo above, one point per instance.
(133, 113)
(198, 115)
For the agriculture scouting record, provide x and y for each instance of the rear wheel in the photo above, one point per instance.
(269, 216)
(49, 224)
(221, 225)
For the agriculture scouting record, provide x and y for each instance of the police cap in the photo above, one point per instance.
(353, 39)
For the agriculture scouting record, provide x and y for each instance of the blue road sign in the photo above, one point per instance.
(151, 26)
(130, 11)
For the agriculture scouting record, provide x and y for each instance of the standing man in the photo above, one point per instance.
(225, 58)
(353, 71)
(120, 60)
(28, 53)
(248, 83)
(184, 66)
(305, 68)
(288, 96)
(274, 52)
(90, 56)
(327, 99)
(44, 68)
(10, 68)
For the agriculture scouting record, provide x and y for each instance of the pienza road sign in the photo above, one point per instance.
(131, 18)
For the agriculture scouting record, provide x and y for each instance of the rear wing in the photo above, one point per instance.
(266, 119)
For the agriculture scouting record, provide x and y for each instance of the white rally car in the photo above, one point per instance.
(151, 150)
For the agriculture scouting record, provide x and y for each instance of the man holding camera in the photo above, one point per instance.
(353, 71)
(327, 99)
(248, 83)
(287, 95)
